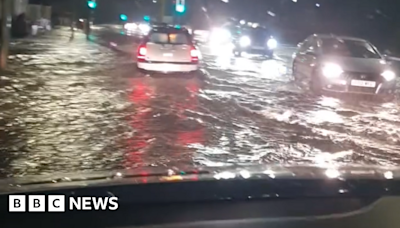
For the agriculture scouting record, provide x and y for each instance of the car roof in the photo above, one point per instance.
(331, 36)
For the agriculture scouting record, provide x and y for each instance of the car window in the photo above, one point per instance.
(308, 45)
(304, 46)
(169, 38)
(179, 38)
(349, 48)
(158, 37)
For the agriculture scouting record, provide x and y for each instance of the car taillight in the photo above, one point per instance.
(194, 53)
(142, 51)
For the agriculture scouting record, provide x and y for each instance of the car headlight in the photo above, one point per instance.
(332, 70)
(389, 75)
(130, 26)
(218, 35)
(272, 43)
(244, 41)
(144, 28)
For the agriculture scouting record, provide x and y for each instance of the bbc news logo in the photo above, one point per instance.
(58, 203)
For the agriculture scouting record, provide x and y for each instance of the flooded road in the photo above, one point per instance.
(77, 106)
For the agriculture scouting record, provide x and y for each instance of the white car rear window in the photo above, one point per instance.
(169, 38)
(158, 38)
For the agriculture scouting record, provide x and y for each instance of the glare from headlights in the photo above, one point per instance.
(130, 26)
(389, 75)
(332, 70)
(144, 28)
(272, 43)
(219, 35)
(245, 41)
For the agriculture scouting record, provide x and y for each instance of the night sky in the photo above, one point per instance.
(378, 20)
(257, 9)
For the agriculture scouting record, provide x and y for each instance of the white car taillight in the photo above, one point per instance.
(142, 51)
(194, 53)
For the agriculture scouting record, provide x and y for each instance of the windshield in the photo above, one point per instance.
(349, 48)
(256, 32)
(82, 91)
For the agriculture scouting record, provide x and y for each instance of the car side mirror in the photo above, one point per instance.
(387, 59)
(386, 53)
(385, 56)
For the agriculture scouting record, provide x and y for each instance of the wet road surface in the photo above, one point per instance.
(77, 106)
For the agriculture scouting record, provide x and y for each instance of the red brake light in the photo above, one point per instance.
(194, 53)
(142, 51)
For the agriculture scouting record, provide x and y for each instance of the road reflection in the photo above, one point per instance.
(81, 108)
(160, 125)
(137, 144)
(195, 136)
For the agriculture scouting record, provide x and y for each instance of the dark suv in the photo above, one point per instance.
(255, 41)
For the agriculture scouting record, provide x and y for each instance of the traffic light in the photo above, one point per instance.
(92, 4)
(146, 18)
(180, 6)
(123, 17)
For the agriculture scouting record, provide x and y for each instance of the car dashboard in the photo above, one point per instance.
(222, 204)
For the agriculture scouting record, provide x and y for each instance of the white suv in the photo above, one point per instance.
(168, 49)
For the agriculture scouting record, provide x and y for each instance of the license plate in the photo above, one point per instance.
(168, 54)
(258, 48)
(362, 83)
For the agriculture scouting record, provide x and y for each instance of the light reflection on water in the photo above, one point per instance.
(75, 111)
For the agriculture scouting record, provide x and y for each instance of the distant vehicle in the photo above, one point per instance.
(168, 49)
(343, 64)
(220, 36)
(244, 39)
(140, 29)
(254, 41)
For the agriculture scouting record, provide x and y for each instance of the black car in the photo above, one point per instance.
(255, 41)
(343, 64)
